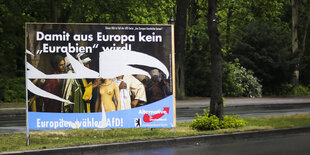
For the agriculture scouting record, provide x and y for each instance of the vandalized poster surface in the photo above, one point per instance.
(99, 76)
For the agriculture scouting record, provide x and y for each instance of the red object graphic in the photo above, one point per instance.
(147, 118)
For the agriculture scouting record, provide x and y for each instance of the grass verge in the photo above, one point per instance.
(63, 138)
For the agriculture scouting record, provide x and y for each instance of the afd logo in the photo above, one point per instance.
(150, 118)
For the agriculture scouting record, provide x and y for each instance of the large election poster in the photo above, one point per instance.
(99, 76)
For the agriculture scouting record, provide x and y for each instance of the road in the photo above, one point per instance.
(291, 144)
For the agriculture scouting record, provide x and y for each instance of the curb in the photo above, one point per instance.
(134, 145)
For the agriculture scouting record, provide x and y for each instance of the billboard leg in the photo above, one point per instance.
(28, 140)
(27, 123)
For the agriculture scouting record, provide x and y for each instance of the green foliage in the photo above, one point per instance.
(151, 12)
(211, 122)
(118, 11)
(289, 90)
(305, 66)
(255, 31)
(12, 20)
(305, 60)
(14, 14)
(231, 85)
(12, 89)
(206, 122)
(197, 60)
(265, 50)
(300, 91)
(238, 81)
(284, 121)
(234, 14)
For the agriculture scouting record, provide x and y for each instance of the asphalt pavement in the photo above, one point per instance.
(260, 145)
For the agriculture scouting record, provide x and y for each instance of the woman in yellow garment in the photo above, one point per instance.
(88, 94)
(107, 90)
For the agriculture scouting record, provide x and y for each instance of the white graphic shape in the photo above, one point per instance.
(114, 63)
(103, 123)
(28, 52)
(80, 71)
(33, 73)
(36, 90)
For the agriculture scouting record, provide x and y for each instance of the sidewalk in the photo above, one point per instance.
(19, 109)
(231, 102)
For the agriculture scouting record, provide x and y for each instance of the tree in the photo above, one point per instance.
(300, 25)
(295, 77)
(180, 32)
(216, 103)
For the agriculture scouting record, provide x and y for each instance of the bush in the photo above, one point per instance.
(289, 90)
(12, 89)
(211, 122)
(238, 81)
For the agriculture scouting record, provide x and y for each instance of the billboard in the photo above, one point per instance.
(99, 76)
